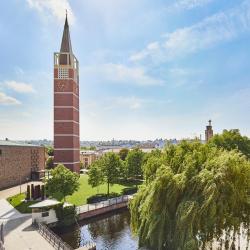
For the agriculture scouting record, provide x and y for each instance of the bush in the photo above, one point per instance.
(66, 215)
(129, 190)
(129, 181)
(101, 197)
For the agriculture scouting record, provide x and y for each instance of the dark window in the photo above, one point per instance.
(45, 214)
(0, 152)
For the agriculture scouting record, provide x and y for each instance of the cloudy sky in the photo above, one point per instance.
(148, 69)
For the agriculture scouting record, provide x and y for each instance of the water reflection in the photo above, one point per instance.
(111, 231)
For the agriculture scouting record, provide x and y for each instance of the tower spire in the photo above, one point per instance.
(66, 42)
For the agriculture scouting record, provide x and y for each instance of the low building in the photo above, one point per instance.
(20, 163)
(43, 212)
(87, 157)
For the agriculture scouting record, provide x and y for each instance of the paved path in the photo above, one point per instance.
(8, 212)
(4, 194)
(20, 235)
(18, 232)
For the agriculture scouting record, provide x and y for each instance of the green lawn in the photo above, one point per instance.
(17, 202)
(78, 198)
(85, 191)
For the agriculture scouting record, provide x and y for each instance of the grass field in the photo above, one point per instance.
(17, 202)
(85, 191)
(78, 198)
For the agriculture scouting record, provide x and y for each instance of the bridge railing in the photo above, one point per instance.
(107, 203)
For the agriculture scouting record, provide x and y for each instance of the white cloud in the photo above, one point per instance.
(54, 8)
(187, 4)
(120, 73)
(221, 27)
(20, 87)
(8, 100)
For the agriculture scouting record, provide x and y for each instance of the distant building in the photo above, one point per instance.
(87, 157)
(20, 163)
(117, 150)
(209, 131)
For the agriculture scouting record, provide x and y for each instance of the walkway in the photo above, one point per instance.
(8, 212)
(20, 235)
(18, 232)
(4, 194)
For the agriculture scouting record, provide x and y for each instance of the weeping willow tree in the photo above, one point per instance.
(193, 194)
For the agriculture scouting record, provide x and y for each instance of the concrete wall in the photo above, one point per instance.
(38, 217)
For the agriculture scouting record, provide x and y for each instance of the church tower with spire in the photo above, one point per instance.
(209, 131)
(66, 105)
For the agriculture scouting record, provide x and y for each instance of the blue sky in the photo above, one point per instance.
(148, 69)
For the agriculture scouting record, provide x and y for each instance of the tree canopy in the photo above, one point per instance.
(96, 176)
(193, 194)
(123, 153)
(50, 162)
(63, 182)
(134, 161)
(232, 139)
(107, 169)
(50, 151)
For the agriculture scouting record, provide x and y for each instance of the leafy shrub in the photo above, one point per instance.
(66, 215)
(129, 190)
(101, 197)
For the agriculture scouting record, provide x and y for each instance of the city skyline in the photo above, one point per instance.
(147, 70)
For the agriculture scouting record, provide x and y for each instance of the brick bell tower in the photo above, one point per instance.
(66, 105)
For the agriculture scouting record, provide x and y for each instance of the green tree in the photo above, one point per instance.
(134, 163)
(63, 182)
(105, 170)
(198, 192)
(111, 165)
(232, 139)
(123, 153)
(50, 162)
(50, 151)
(95, 173)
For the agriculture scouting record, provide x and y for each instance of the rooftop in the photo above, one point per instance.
(45, 203)
(14, 143)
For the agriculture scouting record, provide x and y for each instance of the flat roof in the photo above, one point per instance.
(45, 203)
(14, 143)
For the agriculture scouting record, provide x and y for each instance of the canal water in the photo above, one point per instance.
(112, 232)
(109, 232)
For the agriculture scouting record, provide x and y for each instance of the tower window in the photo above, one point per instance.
(63, 73)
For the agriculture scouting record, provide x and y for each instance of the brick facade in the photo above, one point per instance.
(66, 106)
(18, 162)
